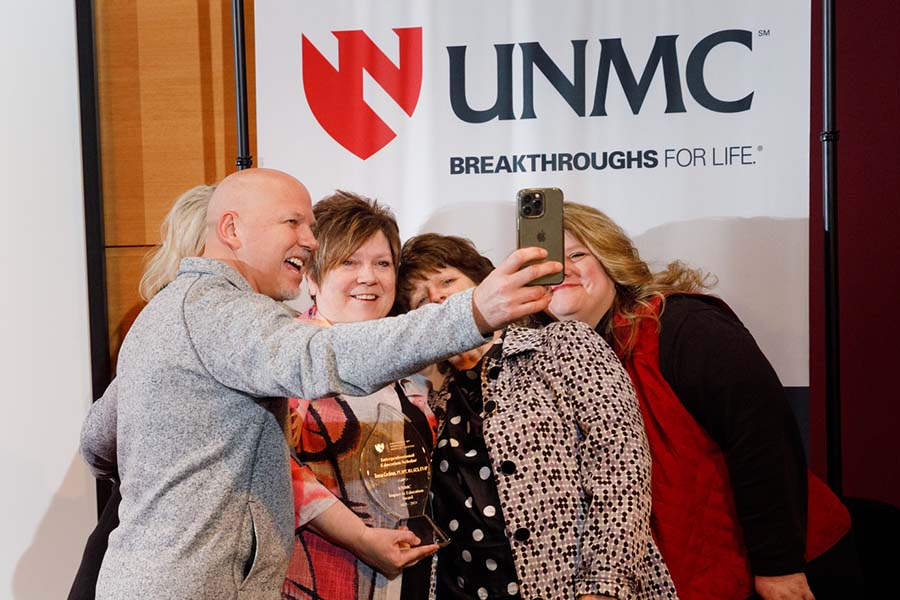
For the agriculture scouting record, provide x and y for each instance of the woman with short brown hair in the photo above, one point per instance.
(346, 546)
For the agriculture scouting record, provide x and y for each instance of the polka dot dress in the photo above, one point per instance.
(479, 561)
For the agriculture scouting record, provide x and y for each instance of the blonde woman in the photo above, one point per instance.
(183, 233)
(730, 483)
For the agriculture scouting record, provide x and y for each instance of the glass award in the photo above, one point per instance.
(395, 467)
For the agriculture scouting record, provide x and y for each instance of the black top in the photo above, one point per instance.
(478, 563)
(725, 382)
(416, 578)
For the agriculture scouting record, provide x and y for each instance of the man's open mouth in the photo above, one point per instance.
(296, 263)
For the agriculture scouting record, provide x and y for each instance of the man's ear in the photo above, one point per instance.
(226, 230)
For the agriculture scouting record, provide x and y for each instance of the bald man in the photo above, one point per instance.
(193, 421)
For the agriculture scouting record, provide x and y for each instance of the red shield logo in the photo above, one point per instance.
(336, 96)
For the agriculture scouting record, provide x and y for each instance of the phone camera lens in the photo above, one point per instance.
(526, 211)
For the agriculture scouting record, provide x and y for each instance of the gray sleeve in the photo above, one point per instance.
(251, 343)
(98, 435)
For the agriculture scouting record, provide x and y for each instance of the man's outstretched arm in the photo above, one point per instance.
(250, 344)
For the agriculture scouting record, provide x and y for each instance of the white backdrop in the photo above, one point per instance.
(717, 132)
(49, 503)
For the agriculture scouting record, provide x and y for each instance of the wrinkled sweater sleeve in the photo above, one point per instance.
(251, 343)
(98, 435)
(725, 382)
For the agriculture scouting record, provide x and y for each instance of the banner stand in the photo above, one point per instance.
(95, 251)
(829, 139)
(244, 160)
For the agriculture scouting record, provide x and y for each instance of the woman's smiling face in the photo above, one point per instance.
(587, 292)
(361, 287)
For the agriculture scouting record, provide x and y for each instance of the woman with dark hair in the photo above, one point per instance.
(734, 508)
(433, 267)
(542, 477)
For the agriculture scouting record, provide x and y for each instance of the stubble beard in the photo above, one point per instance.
(287, 294)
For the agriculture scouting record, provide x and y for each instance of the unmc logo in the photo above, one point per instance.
(612, 59)
(336, 96)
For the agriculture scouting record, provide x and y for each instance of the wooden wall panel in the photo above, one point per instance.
(124, 267)
(165, 77)
(171, 110)
(119, 105)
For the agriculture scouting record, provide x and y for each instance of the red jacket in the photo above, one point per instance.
(694, 519)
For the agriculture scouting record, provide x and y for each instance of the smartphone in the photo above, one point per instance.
(539, 222)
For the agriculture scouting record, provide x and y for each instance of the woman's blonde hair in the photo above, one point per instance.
(183, 234)
(636, 285)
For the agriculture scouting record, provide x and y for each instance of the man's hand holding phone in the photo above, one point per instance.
(505, 295)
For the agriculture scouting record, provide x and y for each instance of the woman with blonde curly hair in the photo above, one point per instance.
(183, 234)
(635, 285)
(734, 508)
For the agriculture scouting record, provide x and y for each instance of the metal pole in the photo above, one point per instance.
(244, 160)
(829, 138)
(101, 367)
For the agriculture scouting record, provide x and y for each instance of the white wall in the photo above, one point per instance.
(48, 500)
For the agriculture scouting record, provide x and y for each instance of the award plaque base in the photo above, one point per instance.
(426, 530)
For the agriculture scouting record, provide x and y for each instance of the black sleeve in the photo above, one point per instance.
(85, 585)
(725, 382)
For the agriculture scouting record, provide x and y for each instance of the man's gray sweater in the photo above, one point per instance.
(192, 424)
